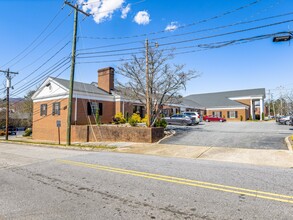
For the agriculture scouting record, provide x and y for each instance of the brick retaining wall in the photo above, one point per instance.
(94, 133)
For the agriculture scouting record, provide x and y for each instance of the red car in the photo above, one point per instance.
(213, 118)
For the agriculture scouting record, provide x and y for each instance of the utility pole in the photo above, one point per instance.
(269, 115)
(148, 109)
(8, 85)
(73, 55)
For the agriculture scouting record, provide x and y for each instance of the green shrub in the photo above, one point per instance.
(98, 118)
(263, 116)
(134, 119)
(119, 118)
(161, 123)
(27, 132)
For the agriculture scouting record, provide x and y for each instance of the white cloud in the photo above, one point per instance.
(142, 17)
(125, 11)
(101, 9)
(172, 26)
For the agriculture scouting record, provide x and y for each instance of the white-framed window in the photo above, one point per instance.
(232, 114)
(93, 107)
(43, 109)
(56, 108)
(217, 114)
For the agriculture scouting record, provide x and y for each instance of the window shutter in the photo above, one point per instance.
(53, 109)
(228, 114)
(89, 108)
(221, 114)
(100, 108)
(236, 114)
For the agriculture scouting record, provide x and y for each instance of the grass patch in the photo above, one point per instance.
(64, 146)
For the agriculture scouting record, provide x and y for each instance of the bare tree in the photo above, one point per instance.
(166, 80)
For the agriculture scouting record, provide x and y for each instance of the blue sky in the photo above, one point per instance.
(33, 49)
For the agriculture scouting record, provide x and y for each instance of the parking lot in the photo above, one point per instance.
(253, 135)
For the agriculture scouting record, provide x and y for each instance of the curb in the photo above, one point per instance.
(167, 136)
(288, 143)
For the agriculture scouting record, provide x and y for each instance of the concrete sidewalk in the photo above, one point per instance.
(277, 158)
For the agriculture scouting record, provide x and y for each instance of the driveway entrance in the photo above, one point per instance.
(253, 135)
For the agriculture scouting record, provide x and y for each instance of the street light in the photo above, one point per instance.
(282, 38)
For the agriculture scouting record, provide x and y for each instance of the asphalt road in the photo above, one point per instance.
(47, 183)
(253, 135)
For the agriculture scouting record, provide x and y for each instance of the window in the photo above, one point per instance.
(217, 114)
(56, 108)
(43, 109)
(232, 114)
(93, 107)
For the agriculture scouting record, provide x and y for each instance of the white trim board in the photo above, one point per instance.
(227, 108)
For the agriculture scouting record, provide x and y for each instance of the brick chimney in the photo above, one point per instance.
(106, 79)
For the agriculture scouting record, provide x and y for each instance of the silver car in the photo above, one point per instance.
(179, 119)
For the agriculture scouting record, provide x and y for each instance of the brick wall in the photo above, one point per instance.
(44, 127)
(82, 115)
(241, 112)
(81, 133)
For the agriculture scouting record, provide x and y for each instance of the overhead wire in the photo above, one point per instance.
(42, 41)
(187, 25)
(43, 31)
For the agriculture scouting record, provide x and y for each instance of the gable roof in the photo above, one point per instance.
(81, 87)
(221, 99)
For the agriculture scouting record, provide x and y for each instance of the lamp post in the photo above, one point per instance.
(283, 38)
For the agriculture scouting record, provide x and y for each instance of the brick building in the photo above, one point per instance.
(233, 105)
(51, 102)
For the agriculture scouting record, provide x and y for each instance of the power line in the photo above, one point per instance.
(184, 26)
(54, 55)
(41, 42)
(190, 40)
(188, 33)
(228, 33)
(48, 25)
(41, 78)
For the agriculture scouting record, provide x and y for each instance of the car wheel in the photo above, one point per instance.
(207, 120)
(221, 120)
(287, 122)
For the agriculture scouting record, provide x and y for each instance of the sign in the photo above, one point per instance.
(58, 123)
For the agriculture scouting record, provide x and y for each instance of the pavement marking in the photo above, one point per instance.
(189, 182)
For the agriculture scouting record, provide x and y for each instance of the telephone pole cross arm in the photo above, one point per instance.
(73, 55)
(8, 85)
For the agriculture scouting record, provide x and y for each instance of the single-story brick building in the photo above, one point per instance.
(233, 105)
(51, 103)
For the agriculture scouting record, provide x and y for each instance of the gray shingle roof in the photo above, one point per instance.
(81, 87)
(221, 99)
(189, 103)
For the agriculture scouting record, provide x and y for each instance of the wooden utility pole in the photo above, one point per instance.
(148, 108)
(8, 85)
(73, 55)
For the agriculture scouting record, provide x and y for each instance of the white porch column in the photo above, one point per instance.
(252, 109)
(261, 108)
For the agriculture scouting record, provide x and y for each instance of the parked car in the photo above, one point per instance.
(179, 119)
(285, 120)
(213, 118)
(11, 130)
(194, 115)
